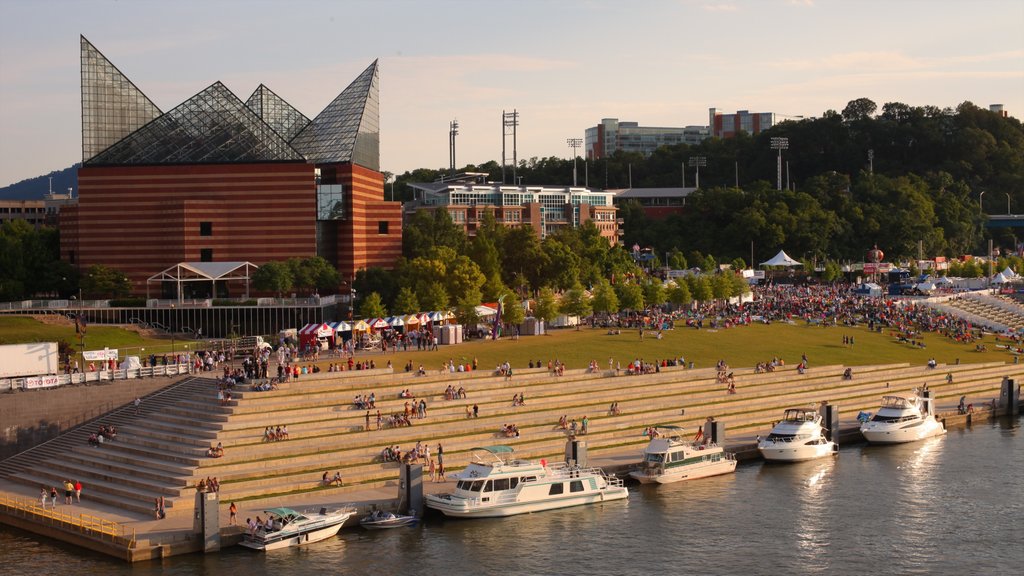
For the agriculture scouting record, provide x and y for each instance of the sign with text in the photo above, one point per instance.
(105, 354)
(42, 382)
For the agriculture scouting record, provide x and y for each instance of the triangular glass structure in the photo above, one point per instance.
(348, 129)
(112, 107)
(212, 127)
(280, 115)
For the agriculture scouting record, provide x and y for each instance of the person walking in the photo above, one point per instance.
(78, 491)
(42, 497)
(53, 497)
(433, 471)
(138, 403)
(476, 411)
(232, 514)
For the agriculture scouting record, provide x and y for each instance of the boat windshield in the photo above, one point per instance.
(897, 402)
(798, 416)
(656, 458)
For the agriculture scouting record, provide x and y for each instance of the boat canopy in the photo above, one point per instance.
(495, 449)
(282, 512)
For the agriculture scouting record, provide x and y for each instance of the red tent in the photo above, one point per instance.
(314, 334)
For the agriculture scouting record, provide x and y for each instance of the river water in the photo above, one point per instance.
(951, 505)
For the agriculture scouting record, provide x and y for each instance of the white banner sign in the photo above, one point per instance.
(105, 354)
(42, 382)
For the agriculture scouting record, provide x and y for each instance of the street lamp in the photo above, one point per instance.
(1007, 203)
(574, 143)
(697, 162)
(981, 205)
(780, 143)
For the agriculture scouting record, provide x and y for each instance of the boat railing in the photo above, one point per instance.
(787, 439)
(561, 470)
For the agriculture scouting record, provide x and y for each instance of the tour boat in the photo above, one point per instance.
(495, 484)
(903, 419)
(798, 437)
(293, 528)
(670, 458)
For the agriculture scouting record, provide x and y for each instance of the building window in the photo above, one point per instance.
(206, 228)
(206, 255)
(382, 227)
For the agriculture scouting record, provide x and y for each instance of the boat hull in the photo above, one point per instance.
(781, 452)
(889, 434)
(454, 506)
(692, 472)
(299, 539)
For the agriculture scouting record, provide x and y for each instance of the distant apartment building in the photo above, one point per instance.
(611, 135)
(35, 212)
(547, 209)
(728, 125)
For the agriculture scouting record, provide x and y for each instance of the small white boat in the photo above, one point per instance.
(669, 458)
(379, 520)
(903, 419)
(495, 484)
(798, 437)
(291, 528)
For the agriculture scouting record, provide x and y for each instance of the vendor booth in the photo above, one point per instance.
(316, 336)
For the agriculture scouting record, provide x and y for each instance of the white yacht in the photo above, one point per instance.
(291, 528)
(798, 437)
(903, 419)
(670, 458)
(496, 484)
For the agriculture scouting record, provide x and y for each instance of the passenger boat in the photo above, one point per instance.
(798, 437)
(903, 419)
(495, 484)
(293, 528)
(670, 458)
(379, 520)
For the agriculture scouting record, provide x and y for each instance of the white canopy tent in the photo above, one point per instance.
(211, 272)
(781, 259)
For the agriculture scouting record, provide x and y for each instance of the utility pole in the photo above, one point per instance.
(509, 126)
(697, 162)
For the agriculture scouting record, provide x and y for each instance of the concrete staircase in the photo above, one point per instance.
(162, 452)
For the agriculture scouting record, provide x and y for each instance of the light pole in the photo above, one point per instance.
(1007, 203)
(574, 143)
(780, 143)
(981, 205)
(697, 162)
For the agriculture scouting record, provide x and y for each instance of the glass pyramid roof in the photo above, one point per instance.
(214, 126)
(112, 107)
(348, 129)
(280, 115)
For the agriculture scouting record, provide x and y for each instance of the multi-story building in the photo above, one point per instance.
(611, 135)
(728, 125)
(219, 179)
(546, 208)
(35, 212)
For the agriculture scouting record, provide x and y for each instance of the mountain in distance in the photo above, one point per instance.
(36, 188)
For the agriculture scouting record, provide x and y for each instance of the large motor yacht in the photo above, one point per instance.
(798, 437)
(903, 419)
(496, 484)
(670, 458)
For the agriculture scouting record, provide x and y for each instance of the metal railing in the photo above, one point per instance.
(53, 381)
(86, 524)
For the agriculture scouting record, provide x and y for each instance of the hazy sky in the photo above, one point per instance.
(563, 64)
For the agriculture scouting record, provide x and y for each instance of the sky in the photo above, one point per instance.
(562, 64)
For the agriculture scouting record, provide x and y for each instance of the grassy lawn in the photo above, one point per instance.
(19, 329)
(739, 347)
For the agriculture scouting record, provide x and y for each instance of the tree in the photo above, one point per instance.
(859, 109)
(679, 293)
(631, 296)
(100, 281)
(465, 309)
(546, 307)
(654, 292)
(433, 297)
(406, 302)
(512, 312)
(700, 287)
(575, 303)
(604, 298)
(372, 307)
(274, 277)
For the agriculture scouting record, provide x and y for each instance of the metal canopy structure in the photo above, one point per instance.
(204, 272)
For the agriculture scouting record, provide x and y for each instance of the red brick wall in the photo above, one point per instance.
(143, 219)
(360, 243)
